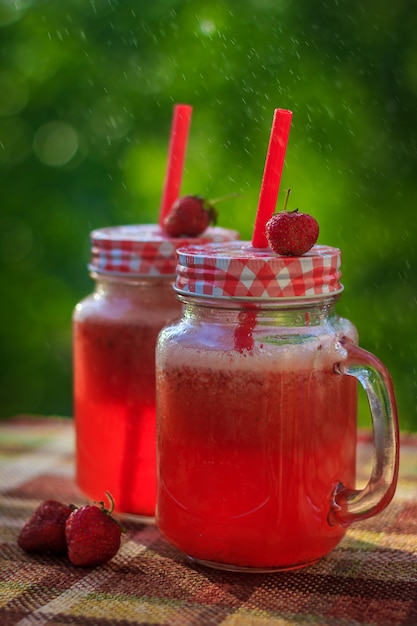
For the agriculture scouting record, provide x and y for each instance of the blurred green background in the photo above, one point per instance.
(87, 89)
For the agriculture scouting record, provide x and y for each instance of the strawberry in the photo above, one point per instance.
(189, 217)
(292, 233)
(92, 534)
(45, 530)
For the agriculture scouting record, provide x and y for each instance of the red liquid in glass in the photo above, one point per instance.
(114, 400)
(250, 456)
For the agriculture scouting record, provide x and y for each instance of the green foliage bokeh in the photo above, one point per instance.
(87, 90)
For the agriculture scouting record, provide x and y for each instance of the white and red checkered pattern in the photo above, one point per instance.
(143, 249)
(238, 270)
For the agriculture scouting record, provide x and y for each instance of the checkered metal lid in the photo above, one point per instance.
(237, 270)
(144, 249)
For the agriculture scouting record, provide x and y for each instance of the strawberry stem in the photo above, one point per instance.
(287, 195)
(110, 499)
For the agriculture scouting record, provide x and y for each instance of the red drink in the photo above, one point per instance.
(114, 392)
(252, 445)
(256, 411)
(115, 332)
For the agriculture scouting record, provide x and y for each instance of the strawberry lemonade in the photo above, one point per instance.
(257, 410)
(251, 444)
(114, 390)
(114, 336)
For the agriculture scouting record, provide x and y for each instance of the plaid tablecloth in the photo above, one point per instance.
(370, 578)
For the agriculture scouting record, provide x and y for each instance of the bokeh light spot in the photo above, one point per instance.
(207, 27)
(56, 143)
(12, 10)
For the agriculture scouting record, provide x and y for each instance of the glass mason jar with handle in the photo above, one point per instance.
(257, 411)
(115, 332)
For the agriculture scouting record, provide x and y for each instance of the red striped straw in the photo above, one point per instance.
(272, 175)
(176, 156)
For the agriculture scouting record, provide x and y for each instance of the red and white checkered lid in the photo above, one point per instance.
(144, 249)
(237, 270)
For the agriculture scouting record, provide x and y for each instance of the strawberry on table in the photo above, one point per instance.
(189, 217)
(45, 530)
(292, 233)
(92, 534)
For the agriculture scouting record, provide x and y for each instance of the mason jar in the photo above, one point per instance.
(257, 411)
(114, 336)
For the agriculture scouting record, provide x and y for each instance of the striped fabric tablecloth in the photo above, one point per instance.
(370, 578)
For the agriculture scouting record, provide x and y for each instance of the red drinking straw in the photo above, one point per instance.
(176, 157)
(272, 175)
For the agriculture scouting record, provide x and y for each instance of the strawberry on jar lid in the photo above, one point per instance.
(144, 249)
(238, 270)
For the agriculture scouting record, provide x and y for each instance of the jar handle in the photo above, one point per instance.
(351, 505)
